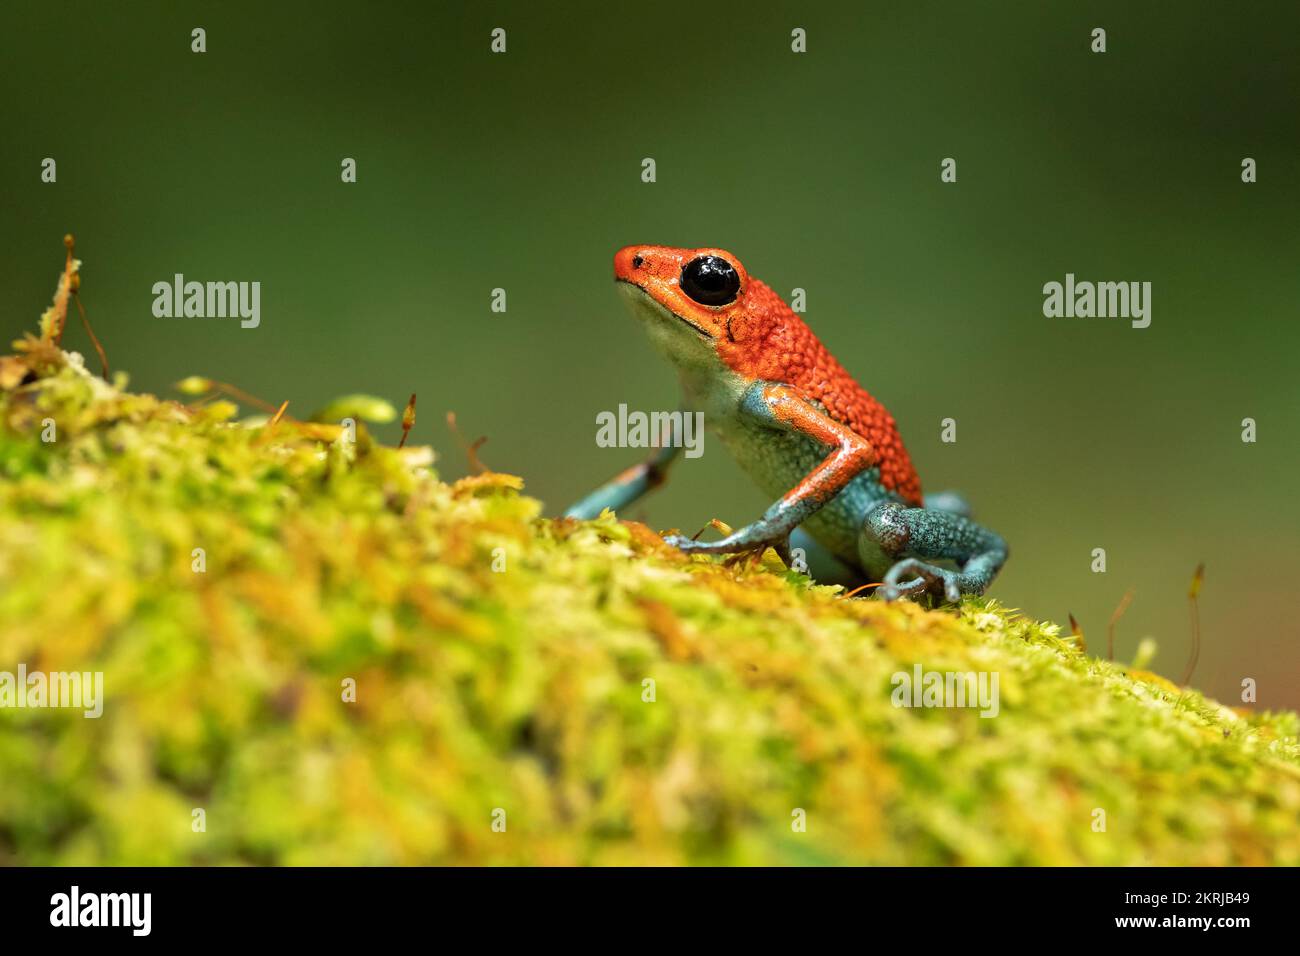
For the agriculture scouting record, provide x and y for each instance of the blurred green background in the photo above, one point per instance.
(819, 171)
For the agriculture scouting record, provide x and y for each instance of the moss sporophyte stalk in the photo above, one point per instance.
(371, 665)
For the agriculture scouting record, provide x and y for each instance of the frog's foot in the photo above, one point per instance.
(740, 544)
(925, 535)
(912, 578)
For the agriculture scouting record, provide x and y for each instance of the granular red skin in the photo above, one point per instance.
(763, 339)
(777, 346)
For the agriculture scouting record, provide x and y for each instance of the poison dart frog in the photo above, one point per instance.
(804, 430)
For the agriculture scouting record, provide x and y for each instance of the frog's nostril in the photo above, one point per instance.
(637, 262)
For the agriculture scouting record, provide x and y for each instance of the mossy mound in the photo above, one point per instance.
(500, 661)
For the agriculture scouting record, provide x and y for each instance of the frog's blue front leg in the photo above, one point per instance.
(785, 408)
(625, 488)
(920, 535)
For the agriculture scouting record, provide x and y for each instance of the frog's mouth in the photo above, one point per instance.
(642, 302)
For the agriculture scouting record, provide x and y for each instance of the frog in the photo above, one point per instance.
(798, 423)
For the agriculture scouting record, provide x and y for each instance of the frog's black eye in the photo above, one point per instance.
(711, 280)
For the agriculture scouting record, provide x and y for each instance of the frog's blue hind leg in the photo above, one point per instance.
(825, 568)
(625, 488)
(915, 537)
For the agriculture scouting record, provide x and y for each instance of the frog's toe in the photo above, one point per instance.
(913, 578)
(690, 545)
(739, 544)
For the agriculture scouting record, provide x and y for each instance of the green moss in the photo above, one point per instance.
(522, 688)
